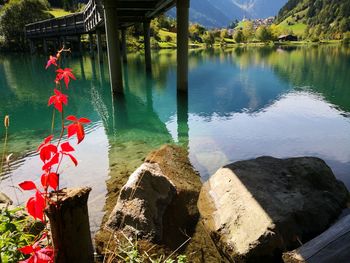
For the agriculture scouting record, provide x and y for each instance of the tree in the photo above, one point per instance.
(209, 38)
(16, 14)
(223, 34)
(196, 31)
(238, 37)
(248, 30)
(263, 34)
(275, 31)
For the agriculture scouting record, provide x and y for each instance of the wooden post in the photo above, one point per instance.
(32, 46)
(45, 46)
(147, 43)
(124, 51)
(80, 44)
(182, 15)
(99, 45)
(70, 228)
(91, 44)
(113, 46)
(182, 119)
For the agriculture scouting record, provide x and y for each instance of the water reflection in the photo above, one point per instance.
(242, 103)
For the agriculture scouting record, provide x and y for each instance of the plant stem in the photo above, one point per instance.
(3, 153)
(53, 120)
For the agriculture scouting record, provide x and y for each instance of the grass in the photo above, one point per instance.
(58, 12)
(298, 28)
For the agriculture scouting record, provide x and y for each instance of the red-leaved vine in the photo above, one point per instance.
(51, 154)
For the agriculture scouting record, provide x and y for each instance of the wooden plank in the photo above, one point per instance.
(331, 246)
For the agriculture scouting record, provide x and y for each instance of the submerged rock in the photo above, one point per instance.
(142, 202)
(258, 208)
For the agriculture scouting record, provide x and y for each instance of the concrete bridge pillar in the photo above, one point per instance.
(125, 60)
(31, 46)
(113, 46)
(45, 46)
(91, 44)
(182, 14)
(147, 44)
(80, 45)
(63, 42)
(99, 45)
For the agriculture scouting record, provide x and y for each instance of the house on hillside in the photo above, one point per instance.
(287, 38)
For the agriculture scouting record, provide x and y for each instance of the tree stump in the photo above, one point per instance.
(70, 228)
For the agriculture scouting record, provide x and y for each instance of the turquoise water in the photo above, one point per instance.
(242, 103)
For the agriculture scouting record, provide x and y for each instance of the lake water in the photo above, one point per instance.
(242, 103)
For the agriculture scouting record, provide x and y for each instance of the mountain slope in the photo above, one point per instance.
(219, 13)
(327, 17)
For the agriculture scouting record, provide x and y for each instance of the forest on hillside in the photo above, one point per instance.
(325, 18)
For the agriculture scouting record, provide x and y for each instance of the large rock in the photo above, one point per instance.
(180, 227)
(5, 201)
(142, 202)
(258, 208)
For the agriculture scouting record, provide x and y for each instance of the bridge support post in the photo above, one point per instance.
(91, 44)
(63, 42)
(182, 14)
(147, 43)
(113, 46)
(80, 45)
(125, 60)
(45, 46)
(31, 46)
(99, 45)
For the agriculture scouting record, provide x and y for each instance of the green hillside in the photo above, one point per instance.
(318, 18)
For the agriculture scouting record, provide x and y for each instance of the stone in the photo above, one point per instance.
(142, 202)
(182, 228)
(4, 199)
(182, 231)
(256, 209)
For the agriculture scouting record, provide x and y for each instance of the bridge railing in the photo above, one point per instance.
(92, 15)
(66, 25)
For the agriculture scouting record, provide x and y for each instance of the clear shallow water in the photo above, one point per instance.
(242, 103)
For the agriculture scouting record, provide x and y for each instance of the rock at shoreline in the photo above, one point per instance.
(256, 209)
(142, 202)
(181, 225)
(5, 201)
(167, 200)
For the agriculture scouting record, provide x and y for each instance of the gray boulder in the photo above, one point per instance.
(142, 202)
(5, 201)
(256, 209)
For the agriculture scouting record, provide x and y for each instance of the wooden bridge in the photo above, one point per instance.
(111, 17)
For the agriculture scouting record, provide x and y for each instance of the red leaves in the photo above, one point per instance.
(51, 61)
(77, 127)
(36, 206)
(51, 180)
(54, 160)
(65, 149)
(38, 254)
(48, 153)
(65, 74)
(58, 100)
(51, 155)
(27, 185)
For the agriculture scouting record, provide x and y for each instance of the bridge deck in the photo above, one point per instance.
(129, 12)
